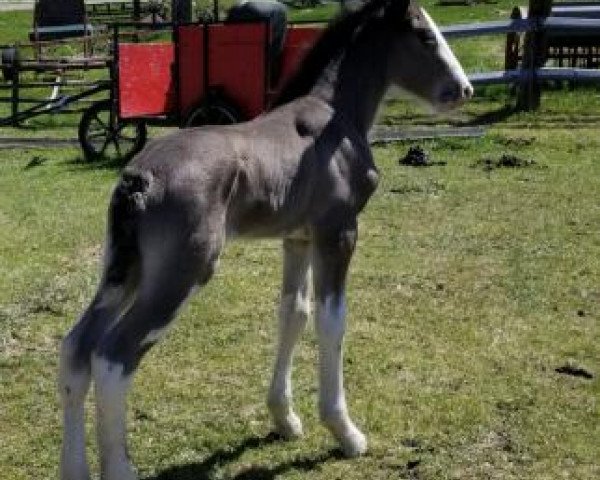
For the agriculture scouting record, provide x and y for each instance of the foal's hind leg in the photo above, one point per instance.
(168, 277)
(293, 314)
(332, 253)
(74, 375)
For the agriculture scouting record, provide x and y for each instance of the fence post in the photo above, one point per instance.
(533, 55)
(14, 78)
(137, 11)
(181, 11)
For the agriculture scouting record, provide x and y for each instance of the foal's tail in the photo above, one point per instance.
(122, 251)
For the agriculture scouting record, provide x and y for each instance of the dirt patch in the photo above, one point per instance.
(417, 157)
(417, 445)
(505, 160)
(36, 161)
(430, 187)
(518, 142)
(574, 371)
(42, 143)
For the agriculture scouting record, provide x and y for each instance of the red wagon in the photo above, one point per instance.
(207, 73)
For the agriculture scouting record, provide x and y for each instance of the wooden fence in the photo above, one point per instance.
(539, 23)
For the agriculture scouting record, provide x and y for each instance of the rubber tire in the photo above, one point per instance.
(91, 116)
(213, 112)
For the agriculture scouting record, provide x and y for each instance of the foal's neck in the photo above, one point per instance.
(355, 82)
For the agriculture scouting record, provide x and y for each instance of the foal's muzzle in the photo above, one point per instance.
(455, 93)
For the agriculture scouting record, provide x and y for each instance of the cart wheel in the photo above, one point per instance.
(101, 135)
(213, 112)
(10, 57)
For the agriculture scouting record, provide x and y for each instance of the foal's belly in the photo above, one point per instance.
(260, 224)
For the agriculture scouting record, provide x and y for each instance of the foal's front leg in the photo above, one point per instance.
(332, 253)
(293, 314)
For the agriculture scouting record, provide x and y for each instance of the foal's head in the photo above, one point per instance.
(421, 61)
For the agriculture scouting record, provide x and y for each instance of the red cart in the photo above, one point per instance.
(207, 73)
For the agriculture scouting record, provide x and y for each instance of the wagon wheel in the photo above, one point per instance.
(101, 135)
(213, 112)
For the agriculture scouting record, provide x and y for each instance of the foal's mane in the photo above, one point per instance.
(336, 37)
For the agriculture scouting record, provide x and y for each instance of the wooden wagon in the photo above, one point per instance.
(207, 73)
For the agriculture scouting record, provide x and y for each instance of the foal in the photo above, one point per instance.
(302, 172)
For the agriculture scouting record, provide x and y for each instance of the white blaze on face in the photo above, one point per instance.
(446, 53)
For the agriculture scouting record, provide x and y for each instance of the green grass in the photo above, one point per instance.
(14, 27)
(468, 289)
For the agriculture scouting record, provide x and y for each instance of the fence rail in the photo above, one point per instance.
(574, 26)
(487, 28)
(542, 21)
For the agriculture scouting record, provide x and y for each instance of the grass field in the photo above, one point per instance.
(473, 283)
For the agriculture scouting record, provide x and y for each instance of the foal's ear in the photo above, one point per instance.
(397, 8)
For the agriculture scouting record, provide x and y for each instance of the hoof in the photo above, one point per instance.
(119, 471)
(354, 445)
(78, 473)
(290, 427)
(351, 439)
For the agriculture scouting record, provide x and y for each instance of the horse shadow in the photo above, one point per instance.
(205, 469)
(79, 163)
(493, 117)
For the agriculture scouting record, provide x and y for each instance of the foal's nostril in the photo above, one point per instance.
(456, 92)
(450, 94)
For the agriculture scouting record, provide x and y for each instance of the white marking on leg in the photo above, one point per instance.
(332, 401)
(73, 386)
(293, 314)
(111, 390)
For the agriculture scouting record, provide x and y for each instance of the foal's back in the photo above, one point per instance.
(265, 177)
